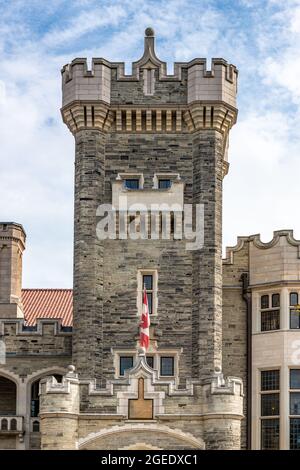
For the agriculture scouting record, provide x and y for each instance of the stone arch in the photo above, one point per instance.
(131, 435)
(9, 383)
(10, 376)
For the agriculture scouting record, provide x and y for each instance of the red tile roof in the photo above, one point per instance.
(48, 303)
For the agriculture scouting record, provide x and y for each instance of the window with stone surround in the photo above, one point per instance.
(149, 280)
(270, 312)
(164, 183)
(294, 311)
(270, 409)
(126, 362)
(295, 409)
(132, 183)
(166, 362)
(167, 365)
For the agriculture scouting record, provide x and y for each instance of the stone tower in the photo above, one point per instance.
(12, 245)
(147, 138)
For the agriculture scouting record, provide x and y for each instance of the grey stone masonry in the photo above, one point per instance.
(148, 123)
(207, 261)
(88, 252)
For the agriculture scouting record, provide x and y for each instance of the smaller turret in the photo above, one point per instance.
(12, 245)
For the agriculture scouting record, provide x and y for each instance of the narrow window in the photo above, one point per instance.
(294, 311)
(4, 425)
(270, 409)
(126, 362)
(295, 379)
(167, 365)
(35, 402)
(295, 434)
(295, 409)
(148, 284)
(35, 426)
(13, 425)
(147, 279)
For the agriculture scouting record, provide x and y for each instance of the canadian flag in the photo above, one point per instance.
(145, 323)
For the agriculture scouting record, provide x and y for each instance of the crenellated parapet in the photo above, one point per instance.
(141, 395)
(47, 337)
(17, 327)
(191, 99)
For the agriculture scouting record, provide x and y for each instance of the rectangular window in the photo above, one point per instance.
(270, 404)
(148, 284)
(126, 362)
(293, 298)
(295, 403)
(270, 312)
(294, 319)
(269, 434)
(270, 380)
(164, 183)
(275, 300)
(264, 301)
(295, 379)
(295, 434)
(167, 365)
(147, 279)
(150, 361)
(270, 320)
(294, 311)
(132, 183)
(270, 407)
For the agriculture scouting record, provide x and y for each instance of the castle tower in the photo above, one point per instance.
(147, 139)
(12, 245)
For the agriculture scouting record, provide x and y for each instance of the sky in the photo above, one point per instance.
(261, 37)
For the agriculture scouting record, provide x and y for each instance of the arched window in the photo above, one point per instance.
(13, 425)
(4, 424)
(35, 426)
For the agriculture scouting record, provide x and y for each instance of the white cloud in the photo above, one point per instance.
(37, 151)
(85, 23)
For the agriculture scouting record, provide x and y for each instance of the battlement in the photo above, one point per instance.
(10, 231)
(18, 327)
(12, 245)
(280, 237)
(149, 80)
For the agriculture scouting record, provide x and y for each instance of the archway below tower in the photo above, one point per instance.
(143, 436)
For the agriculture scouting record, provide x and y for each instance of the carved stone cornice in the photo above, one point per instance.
(210, 115)
(80, 115)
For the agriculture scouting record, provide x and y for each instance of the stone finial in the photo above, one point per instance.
(71, 369)
(149, 32)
